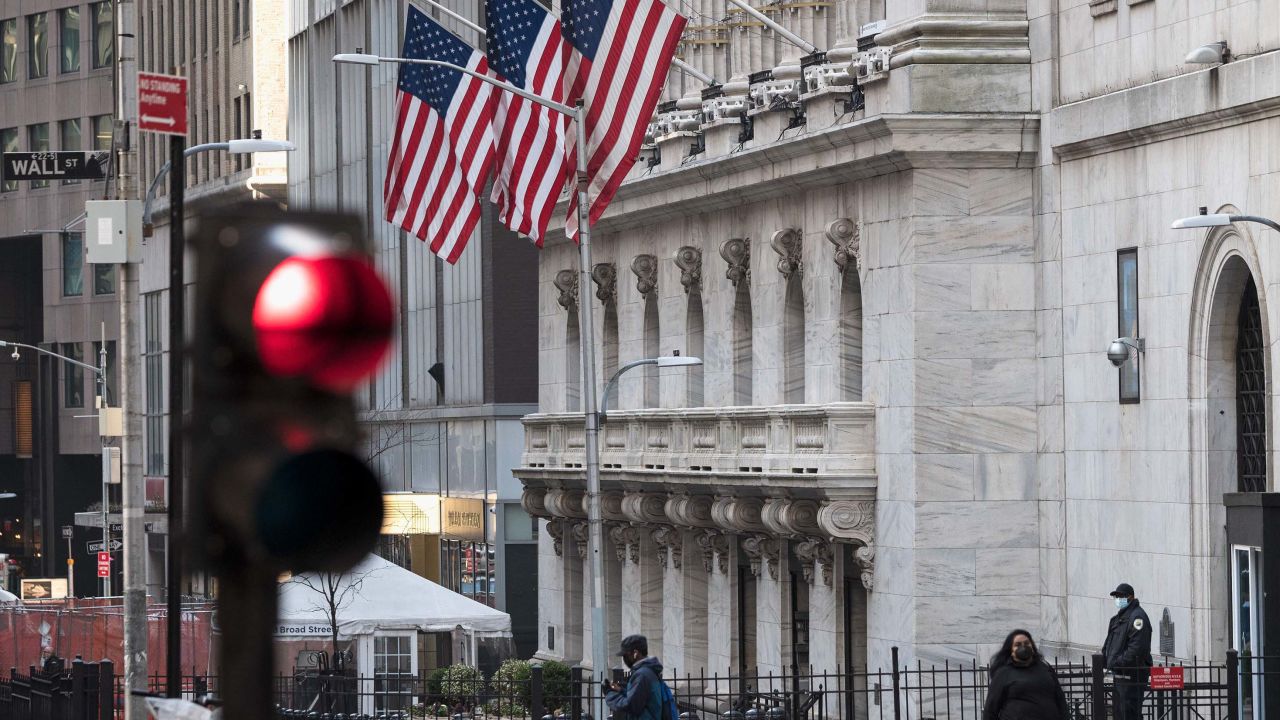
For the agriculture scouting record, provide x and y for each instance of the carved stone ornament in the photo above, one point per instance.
(555, 528)
(790, 518)
(669, 544)
(843, 233)
(762, 552)
(787, 243)
(866, 557)
(813, 553)
(849, 520)
(565, 503)
(689, 260)
(722, 547)
(533, 502)
(644, 507)
(605, 276)
(626, 542)
(645, 268)
(737, 252)
(582, 537)
(567, 283)
(707, 542)
(690, 510)
(610, 506)
(738, 515)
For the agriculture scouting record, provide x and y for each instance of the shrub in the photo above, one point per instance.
(511, 684)
(557, 685)
(461, 684)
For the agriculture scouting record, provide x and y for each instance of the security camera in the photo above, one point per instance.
(1117, 352)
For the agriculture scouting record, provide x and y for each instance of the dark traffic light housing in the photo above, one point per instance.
(290, 318)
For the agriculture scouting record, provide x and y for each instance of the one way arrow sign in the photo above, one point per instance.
(162, 103)
(116, 545)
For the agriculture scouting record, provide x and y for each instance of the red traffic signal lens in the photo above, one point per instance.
(328, 319)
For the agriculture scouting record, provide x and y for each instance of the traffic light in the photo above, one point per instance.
(290, 319)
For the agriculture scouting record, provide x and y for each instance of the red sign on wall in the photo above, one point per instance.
(104, 564)
(162, 103)
(1167, 678)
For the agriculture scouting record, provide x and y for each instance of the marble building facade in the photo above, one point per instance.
(903, 278)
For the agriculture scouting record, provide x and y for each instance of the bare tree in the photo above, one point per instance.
(334, 592)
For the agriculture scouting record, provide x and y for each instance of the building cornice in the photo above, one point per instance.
(1240, 92)
(866, 148)
(489, 411)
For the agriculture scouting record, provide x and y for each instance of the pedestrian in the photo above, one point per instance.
(1022, 685)
(645, 696)
(1128, 653)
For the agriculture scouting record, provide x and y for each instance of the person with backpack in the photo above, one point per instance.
(645, 696)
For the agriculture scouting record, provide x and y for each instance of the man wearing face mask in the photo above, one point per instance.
(646, 696)
(1128, 653)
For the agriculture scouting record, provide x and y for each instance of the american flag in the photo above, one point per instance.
(443, 146)
(624, 48)
(527, 49)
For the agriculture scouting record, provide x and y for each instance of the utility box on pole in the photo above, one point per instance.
(113, 231)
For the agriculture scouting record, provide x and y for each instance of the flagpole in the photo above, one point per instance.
(599, 648)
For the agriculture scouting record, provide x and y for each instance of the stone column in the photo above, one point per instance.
(670, 545)
(697, 569)
(551, 595)
(767, 565)
(575, 603)
(818, 565)
(651, 593)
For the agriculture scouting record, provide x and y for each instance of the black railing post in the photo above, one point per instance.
(897, 685)
(576, 679)
(77, 690)
(536, 710)
(1233, 685)
(106, 690)
(1097, 691)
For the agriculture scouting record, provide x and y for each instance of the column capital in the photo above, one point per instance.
(845, 235)
(670, 541)
(646, 508)
(738, 514)
(763, 552)
(814, 552)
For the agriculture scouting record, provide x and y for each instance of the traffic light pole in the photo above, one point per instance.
(177, 386)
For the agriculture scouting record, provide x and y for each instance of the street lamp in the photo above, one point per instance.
(1204, 220)
(676, 360)
(595, 537)
(235, 147)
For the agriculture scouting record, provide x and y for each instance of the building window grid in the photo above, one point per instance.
(72, 264)
(69, 40)
(9, 50)
(38, 141)
(70, 138)
(153, 368)
(72, 376)
(38, 45)
(1251, 395)
(104, 35)
(9, 143)
(392, 673)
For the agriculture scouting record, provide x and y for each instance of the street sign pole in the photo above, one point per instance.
(177, 384)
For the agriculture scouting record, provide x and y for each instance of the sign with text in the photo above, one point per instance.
(462, 518)
(1167, 678)
(55, 165)
(44, 588)
(115, 545)
(303, 629)
(162, 103)
(68, 531)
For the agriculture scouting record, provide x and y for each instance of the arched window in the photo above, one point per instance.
(742, 371)
(793, 343)
(572, 363)
(851, 336)
(1251, 395)
(693, 347)
(651, 349)
(610, 353)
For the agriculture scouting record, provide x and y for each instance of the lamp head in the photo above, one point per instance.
(1210, 54)
(357, 58)
(1202, 221)
(16, 355)
(257, 145)
(678, 360)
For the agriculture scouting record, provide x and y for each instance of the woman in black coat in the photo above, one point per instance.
(1023, 686)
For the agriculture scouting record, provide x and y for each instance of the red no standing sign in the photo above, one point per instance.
(104, 564)
(162, 103)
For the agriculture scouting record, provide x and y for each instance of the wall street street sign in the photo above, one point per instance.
(55, 165)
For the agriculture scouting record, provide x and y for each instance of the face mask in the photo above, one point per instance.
(1022, 653)
(1122, 603)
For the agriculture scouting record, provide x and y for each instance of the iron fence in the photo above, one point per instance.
(1195, 690)
(82, 691)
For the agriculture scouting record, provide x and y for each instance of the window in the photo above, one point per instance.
(1251, 394)
(38, 141)
(69, 40)
(793, 365)
(693, 346)
(393, 673)
(38, 45)
(104, 34)
(72, 376)
(235, 19)
(104, 278)
(72, 264)
(112, 393)
(102, 131)
(153, 368)
(652, 349)
(9, 143)
(851, 336)
(1127, 290)
(742, 355)
(9, 50)
(572, 363)
(69, 139)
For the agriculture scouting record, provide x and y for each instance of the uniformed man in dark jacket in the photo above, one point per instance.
(1128, 653)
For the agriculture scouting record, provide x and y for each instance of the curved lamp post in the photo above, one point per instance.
(235, 147)
(664, 361)
(1204, 220)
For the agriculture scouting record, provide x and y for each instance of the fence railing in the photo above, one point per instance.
(82, 691)
(1230, 690)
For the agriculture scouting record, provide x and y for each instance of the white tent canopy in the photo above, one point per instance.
(389, 598)
(7, 597)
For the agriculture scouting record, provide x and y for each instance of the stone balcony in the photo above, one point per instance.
(813, 449)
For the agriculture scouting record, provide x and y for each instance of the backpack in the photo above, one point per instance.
(669, 707)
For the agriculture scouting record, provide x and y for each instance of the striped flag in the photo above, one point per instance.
(623, 50)
(527, 49)
(442, 148)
